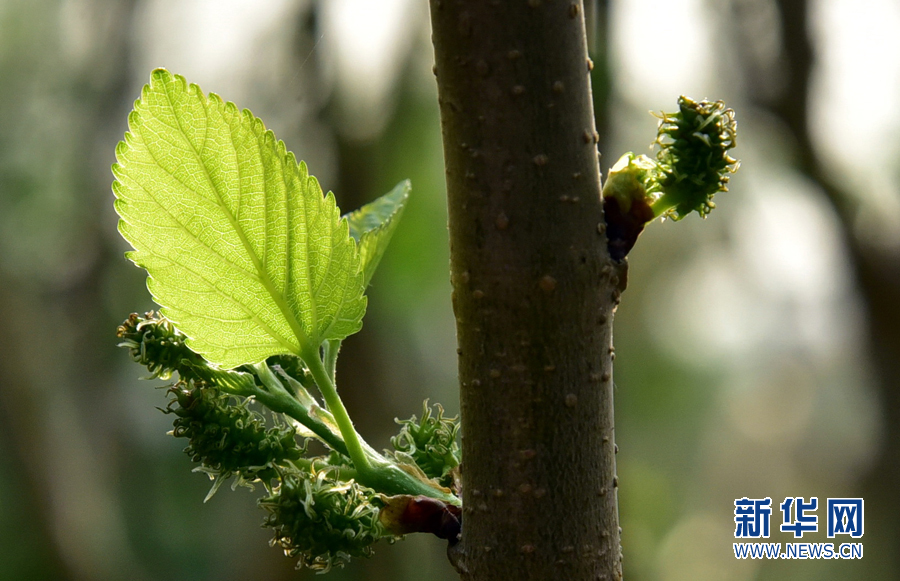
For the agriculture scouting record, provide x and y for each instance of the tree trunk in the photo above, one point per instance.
(533, 291)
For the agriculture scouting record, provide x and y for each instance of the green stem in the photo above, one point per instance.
(336, 407)
(374, 470)
(289, 406)
(334, 428)
(330, 350)
(388, 478)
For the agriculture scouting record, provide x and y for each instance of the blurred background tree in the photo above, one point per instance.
(758, 350)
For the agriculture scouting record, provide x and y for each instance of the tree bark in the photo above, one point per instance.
(533, 291)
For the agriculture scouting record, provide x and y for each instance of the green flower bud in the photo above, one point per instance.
(431, 443)
(156, 344)
(692, 165)
(322, 521)
(693, 161)
(228, 438)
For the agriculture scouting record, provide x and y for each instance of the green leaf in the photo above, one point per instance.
(374, 224)
(244, 253)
